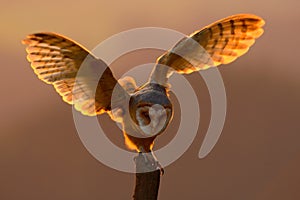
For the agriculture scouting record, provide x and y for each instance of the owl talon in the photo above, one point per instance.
(149, 162)
(154, 162)
(162, 170)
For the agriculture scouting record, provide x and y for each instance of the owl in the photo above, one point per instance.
(143, 111)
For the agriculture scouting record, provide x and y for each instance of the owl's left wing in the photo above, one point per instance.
(219, 43)
(77, 75)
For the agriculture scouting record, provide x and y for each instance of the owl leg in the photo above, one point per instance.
(144, 147)
(151, 161)
(158, 165)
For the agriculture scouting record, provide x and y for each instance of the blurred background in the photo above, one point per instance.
(257, 156)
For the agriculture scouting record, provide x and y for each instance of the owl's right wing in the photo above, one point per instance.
(219, 43)
(78, 76)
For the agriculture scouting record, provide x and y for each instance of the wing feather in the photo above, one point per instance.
(56, 60)
(219, 43)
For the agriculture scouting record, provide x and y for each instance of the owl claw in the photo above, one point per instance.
(150, 162)
(162, 171)
(154, 162)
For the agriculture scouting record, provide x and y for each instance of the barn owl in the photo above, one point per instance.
(144, 111)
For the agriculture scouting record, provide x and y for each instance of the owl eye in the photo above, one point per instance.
(146, 117)
(143, 116)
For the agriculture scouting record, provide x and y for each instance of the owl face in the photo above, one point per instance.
(150, 109)
(153, 119)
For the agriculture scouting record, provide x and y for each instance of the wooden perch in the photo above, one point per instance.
(147, 179)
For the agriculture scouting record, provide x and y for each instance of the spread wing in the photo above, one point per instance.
(219, 43)
(79, 77)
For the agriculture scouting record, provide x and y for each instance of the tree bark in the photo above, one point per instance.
(147, 179)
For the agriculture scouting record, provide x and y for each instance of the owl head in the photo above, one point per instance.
(151, 109)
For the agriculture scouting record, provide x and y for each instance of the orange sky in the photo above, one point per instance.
(257, 156)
